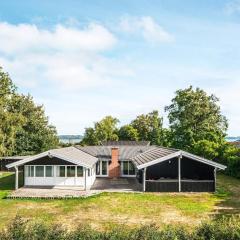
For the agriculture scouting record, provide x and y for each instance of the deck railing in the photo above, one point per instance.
(187, 185)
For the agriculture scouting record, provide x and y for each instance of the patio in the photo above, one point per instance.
(117, 185)
(100, 185)
(43, 192)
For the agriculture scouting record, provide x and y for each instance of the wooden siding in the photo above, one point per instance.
(186, 186)
(49, 161)
(161, 186)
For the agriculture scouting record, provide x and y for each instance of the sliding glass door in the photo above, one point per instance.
(102, 168)
(128, 169)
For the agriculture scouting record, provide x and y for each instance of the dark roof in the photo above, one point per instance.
(126, 143)
(152, 154)
(142, 156)
(104, 152)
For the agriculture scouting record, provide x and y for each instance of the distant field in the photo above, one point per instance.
(109, 209)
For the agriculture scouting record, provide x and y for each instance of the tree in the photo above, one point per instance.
(206, 149)
(35, 135)
(128, 132)
(104, 130)
(90, 137)
(24, 128)
(196, 122)
(150, 127)
(10, 122)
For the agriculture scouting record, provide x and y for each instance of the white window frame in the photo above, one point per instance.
(127, 175)
(55, 169)
(100, 165)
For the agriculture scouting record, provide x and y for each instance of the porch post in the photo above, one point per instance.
(16, 177)
(179, 173)
(144, 179)
(215, 179)
(85, 179)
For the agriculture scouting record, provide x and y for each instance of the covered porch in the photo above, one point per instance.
(57, 168)
(178, 172)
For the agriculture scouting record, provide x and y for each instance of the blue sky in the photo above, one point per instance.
(87, 59)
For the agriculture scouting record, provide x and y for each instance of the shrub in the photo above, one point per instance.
(221, 229)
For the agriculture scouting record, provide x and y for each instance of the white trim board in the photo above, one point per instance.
(185, 154)
(51, 154)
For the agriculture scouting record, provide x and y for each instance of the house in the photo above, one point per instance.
(158, 169)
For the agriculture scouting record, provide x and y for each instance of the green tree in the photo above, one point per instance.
(24, 128)
(150, 128)
(230, 156)
(90, 137)
(196, 122)
(35, 135)
(206, 149)
(10, 122)
(128, 132)
(104, 130)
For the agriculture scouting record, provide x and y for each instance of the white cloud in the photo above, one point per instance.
(232, 7)
(147, 27)
(26, 37)
(70, 58)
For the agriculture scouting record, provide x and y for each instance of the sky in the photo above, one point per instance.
(84, 60)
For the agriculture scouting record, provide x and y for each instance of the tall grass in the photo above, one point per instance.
(221, 229)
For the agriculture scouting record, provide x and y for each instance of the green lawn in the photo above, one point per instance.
(109, 209)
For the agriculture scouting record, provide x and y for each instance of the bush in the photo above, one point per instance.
(221, 229)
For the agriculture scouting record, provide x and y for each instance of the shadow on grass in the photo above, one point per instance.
(7, 181)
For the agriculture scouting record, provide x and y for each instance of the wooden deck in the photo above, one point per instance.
(100, 185)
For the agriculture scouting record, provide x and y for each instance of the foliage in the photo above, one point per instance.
(35, 135)
(24, 128)
(146, 127)
(10, 122)
(104, 130)
(224, 228)
(206, 149)
(150, 127)
(128, 132)
(230, 156)
(196, 122)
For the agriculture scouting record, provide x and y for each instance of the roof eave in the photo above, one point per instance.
(158, 160)
(35, 157)
(186, 154)
(203, 160)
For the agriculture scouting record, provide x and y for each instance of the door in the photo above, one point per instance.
(102, 168)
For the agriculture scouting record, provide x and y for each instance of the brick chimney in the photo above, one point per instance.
(114, 167)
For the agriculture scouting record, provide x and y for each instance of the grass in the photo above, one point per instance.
(109, 209)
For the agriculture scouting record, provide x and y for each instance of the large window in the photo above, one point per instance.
(128, 168)
(70, 171)
(102, 168)
(131, 169)
(30, 171)
(61, 171)
(39, 171)
(49, 171)
(79, 171)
